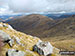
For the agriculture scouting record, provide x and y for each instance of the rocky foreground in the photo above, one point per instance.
(20, 44)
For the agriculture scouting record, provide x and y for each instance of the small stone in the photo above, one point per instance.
(17, 40)
(11, 42)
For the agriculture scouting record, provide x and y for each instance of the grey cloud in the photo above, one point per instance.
(40, 5)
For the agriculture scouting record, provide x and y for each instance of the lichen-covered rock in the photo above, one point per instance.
(13, 52)
(43, 48)
(4, 35)
(9, 27)
(6, 38)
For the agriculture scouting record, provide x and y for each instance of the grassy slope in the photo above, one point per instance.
(63, 27)
(63, 42)
(27, 40)
(63, 34)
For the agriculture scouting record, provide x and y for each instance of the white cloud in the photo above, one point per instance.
(5, 10)
(40, 5)
(4, 7)
(28, 5)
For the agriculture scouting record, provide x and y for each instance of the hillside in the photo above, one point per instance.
(66, 43)
(62, 28)
(61, 33)
(41, 26)
(34, 24)
(23, 43)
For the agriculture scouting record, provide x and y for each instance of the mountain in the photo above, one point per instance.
(34, 24)
(59, 15)
(47, 27)
(55, 16)
(61, 33)
(19, 44)
(8, 17)
(63, 27)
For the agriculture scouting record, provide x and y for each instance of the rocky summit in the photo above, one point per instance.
(16, 43)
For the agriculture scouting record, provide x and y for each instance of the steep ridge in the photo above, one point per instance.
(20, 43)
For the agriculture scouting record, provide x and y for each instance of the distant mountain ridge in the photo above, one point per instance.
(56, 16)
(59, 15)
(8, 17)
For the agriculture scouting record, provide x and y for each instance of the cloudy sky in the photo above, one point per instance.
(13, 6)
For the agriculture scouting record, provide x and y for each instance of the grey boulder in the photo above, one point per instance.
(13, 52)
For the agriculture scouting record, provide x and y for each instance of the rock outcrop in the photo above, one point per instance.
(5, 36)
(13, 52)
(43, 48)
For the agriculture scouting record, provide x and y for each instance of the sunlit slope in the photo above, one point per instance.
(63, 42)
(28, 42)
